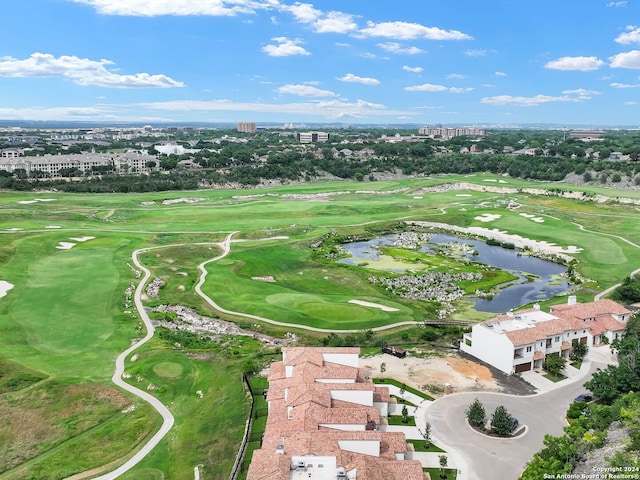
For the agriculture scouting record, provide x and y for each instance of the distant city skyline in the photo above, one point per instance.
(360, 62)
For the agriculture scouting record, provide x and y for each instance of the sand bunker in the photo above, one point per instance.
(268, 279)
(384, 308)
(65, 245)
(26, 202)
(5, 287)
(53, 226)
(14, 229)
(532, 217)
(183, 200)
(417, 197)
(82, 239)
(463, 195)
(488, 217)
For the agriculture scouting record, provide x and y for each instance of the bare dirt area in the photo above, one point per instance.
(430, 374)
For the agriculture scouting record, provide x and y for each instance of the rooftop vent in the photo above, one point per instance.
(341, 473)
(280, 449)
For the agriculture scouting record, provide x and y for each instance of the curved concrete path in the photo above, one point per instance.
(167, 417)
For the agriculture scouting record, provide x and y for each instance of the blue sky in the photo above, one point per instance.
(502, 62)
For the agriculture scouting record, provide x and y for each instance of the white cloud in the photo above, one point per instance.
(456, 75)
(393, 47)
(326, 108)
(410, 31)
(623, 85)
(501, 74)
(536, 100)
(632, 35)
(81, 71)
(631, 102)
(617, 4)
(475, 53)
(412, 69)
(151, 8)
(426, 87)
(305, 91)
(460, 89)
(285, 47)
(582, 93)
(351, 78)
(304, 12)
(583, 64)
(487, 85)
(335, 22)
(626, 60)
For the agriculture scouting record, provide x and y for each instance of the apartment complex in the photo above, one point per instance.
(587, 135)
(322, 422)
(51, 165)
(312, 137)
(520, 341)
(246, 127)
(444, 133)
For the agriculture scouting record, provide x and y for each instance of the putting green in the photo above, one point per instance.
(170, 370)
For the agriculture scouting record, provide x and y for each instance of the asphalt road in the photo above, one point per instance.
(496, 458)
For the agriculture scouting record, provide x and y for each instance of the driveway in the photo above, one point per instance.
(497, 458)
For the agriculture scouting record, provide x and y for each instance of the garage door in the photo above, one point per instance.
(523, 367)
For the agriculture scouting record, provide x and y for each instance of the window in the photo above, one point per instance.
(529, 349)
(557, 339)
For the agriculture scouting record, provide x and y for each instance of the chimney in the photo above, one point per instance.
(572, 300)
(536, 306)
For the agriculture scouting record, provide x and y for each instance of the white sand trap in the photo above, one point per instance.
(5, 287)
(532, 217)
(489, 180)
(463, 195)
(488, 217)
(502, 181)
(526, 215)
(53, 226)
(14, 229)
(384, 308)
(417, 197)
(65, 245)
(26, 202)
(538, 219)
(82, 239)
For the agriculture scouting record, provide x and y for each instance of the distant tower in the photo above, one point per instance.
(247, 127)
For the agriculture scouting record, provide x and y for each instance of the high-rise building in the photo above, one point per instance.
(312, 137)
(247, 127)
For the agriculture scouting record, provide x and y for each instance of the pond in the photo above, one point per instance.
(545, 283)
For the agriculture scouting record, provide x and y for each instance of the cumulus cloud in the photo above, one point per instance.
(82, 71)
(152, 8)
(617, 4)
(632, 35)
(475, 53)
(305, 91)
(285, 47)
(460, 89)
(412, 69)
(351, 78)
(626, 60)
(583, 64)
(393, 47)
(502, 100)
(410, 31)
(335, 22)
(426, 87)
(456, 75)
(501, 74)
(304, 12)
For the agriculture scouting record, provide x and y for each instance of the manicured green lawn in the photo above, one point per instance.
(397, 420)
(418, 446)
(407, 388)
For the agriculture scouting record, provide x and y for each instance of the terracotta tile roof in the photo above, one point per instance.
(538, 355)
(538, 332)
(565, 346)
(598, 308)
(296, 423)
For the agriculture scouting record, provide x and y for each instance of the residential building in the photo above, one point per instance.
(587, 135)
(444, 133)
(246, 127)
(312, 137)
(10, 153)
(520, 341)
(322, 423)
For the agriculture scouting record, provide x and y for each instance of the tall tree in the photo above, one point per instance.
(476, 414)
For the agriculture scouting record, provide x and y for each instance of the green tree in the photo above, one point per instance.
(442, 459)
(579, 351)
(501, 422)
(405, 414)
(476, 415)
(554, 364)
(383, 368)
(426, 434)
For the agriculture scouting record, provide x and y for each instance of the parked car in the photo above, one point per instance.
(584, 397)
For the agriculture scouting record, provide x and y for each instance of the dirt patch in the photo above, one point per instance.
(432, 373)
